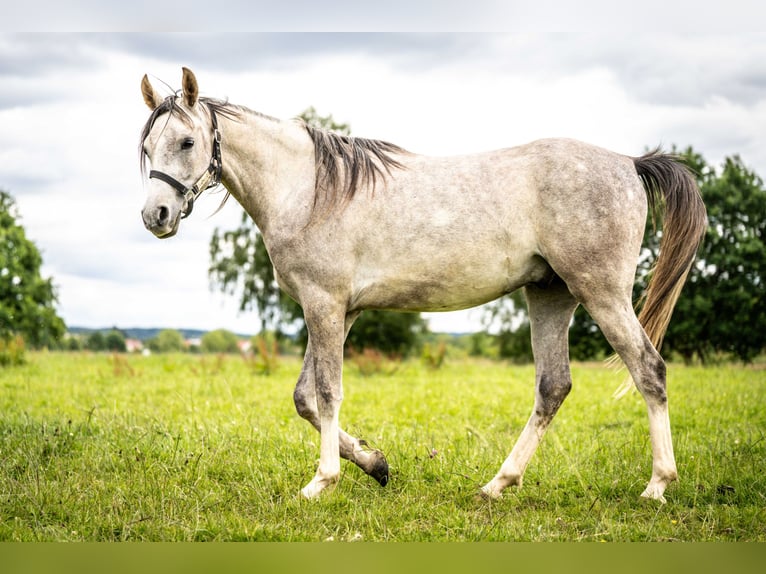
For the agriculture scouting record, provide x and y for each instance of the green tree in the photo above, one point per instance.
(391, 333)
(114, 341)
(723, 306)
(240, 264)
(219, 341)
(508, 316)
(27, 299)
(167, 341)
(95, 341)
(586, 341)
(72, 343)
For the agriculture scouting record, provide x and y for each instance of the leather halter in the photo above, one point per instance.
(210, 178)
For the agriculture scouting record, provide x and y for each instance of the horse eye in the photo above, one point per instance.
(188, 143)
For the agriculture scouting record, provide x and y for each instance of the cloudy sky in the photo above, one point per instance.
(71, 112)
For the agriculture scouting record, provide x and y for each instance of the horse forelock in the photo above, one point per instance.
(168, 106)
(171, 107)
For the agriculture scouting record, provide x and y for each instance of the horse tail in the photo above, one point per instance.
(670, 185)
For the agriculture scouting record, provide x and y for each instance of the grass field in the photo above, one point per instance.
(195, 448)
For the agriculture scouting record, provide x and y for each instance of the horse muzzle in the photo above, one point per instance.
(162, 220)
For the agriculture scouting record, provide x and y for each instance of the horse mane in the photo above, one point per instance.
(345, 164)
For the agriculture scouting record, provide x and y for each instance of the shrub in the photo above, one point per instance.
(265, 357)
(11, 351)
(372, 362)
(433, 354)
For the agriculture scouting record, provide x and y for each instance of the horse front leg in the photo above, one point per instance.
(325, 329)
(318, 397)
(371, 461)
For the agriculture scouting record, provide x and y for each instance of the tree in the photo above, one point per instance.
(114, 341)
(27, 299)
(219, 341)
(95, 341)
(167, 341)
(240, 264)
(723, 306)
(391, 333)
(508, 316)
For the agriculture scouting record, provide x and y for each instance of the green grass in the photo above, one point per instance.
(191, 448)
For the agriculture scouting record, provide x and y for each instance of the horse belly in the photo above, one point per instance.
(444, 286)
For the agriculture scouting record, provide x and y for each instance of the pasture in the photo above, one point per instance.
(200, 448)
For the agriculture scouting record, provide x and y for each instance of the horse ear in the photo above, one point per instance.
(190, 88)
(150, 96)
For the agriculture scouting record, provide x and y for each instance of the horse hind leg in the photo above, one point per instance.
(622, 329)
(550, 311)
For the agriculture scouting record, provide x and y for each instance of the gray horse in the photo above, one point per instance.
(353, 224)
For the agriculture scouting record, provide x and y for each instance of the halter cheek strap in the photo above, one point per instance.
(210, 178)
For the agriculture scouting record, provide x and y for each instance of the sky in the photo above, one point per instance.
(435, 83)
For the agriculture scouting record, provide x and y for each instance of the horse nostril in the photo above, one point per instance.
(163, 215)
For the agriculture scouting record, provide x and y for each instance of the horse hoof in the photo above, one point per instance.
(380, 470)
(486, 494)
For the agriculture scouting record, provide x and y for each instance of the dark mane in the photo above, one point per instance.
(345, 164)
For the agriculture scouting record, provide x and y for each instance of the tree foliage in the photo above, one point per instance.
(27, 299)
(167, 341)
(113, 340)
(394, 334)
(723, 306)
(240, 266)
(219, 341)
(508, 317)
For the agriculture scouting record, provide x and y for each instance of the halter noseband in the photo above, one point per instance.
(211, 177)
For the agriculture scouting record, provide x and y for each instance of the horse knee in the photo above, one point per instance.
(305, 405)
(551, 392)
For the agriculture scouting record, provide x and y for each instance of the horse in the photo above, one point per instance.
(353, 224)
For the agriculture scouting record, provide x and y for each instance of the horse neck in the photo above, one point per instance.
(268, 166)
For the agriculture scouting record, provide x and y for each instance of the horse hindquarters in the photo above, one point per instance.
(590, 230)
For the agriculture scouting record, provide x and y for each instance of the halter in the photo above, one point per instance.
(211, 177)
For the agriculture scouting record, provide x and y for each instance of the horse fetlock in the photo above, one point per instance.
(490, 492)
(656, 488)
(654, 492)
(493, 490)
(318, 484)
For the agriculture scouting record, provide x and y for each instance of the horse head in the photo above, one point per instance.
(177, 141)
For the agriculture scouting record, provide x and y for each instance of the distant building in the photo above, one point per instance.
(133, 346)
(194, 343)
(244, 346)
